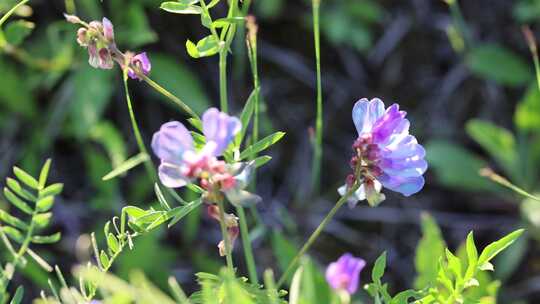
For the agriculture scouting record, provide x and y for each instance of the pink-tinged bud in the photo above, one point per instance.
(232, 234)
(108, 29)
(82, 36)
(105, 59)
(95, 25)
(72, 19)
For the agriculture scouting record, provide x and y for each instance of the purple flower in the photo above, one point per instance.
(344, 274)
(385, 153)
(142, 63)
(182, 163)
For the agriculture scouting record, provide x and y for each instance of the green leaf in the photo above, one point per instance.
(430, 248)
(17, 202)
(378, 269)
(129, 164)
(472, 257)
(134, 212)
(13, 234)
(104, 259)
(245, 117)
(454, 265)
(112, 243)
(456, 167)
(15, 186)
(13, 221)
(17, 31)
(162, 201)
(44, 174)
(497, 141)
(45, 203)
(207, 46)
(26, 178)
(261, 145)
(180, 8)
(222, 22)
(46, 239)
(261, 160)
(494, 248)
(493, 62)
(52, 190)
(527, 114)
(179, 212)
(17, 298)
(42, 220)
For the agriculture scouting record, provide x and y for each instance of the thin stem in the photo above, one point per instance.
(246, 244)
(170, 96)
(316, 233)
(11, 11)
(140, 143)
(226, 240)
(223, 80)
(487, 172)
(317, 157)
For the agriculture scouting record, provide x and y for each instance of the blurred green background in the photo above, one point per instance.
(465, 76)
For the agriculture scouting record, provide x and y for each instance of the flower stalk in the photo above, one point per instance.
(313, 237)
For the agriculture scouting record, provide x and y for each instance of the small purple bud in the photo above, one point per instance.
(142, 63)
(344, 274)
(82, 37)
(108, 29)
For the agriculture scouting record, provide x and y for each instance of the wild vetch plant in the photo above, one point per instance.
(215, 156)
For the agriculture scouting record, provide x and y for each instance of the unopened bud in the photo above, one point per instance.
(72, 19)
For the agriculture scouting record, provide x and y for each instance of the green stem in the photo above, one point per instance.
(140, 143)
(223, 79)
(170, 96)
(11, 11)
(318, 149)
(316, 233)
(246, 244)
(226, 240)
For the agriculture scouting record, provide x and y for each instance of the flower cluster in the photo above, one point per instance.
(385, 154)
(182, 163)
(344, 274)
(98, 38)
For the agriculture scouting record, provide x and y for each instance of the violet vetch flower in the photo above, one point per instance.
(386, 155)
(344, 274)
(142, 63)
(182, 163)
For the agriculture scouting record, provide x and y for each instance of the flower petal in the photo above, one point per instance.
(366, 112)
(171, 175)
(404, 185)
(220, 128)
(171, 141)
(239, 197)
